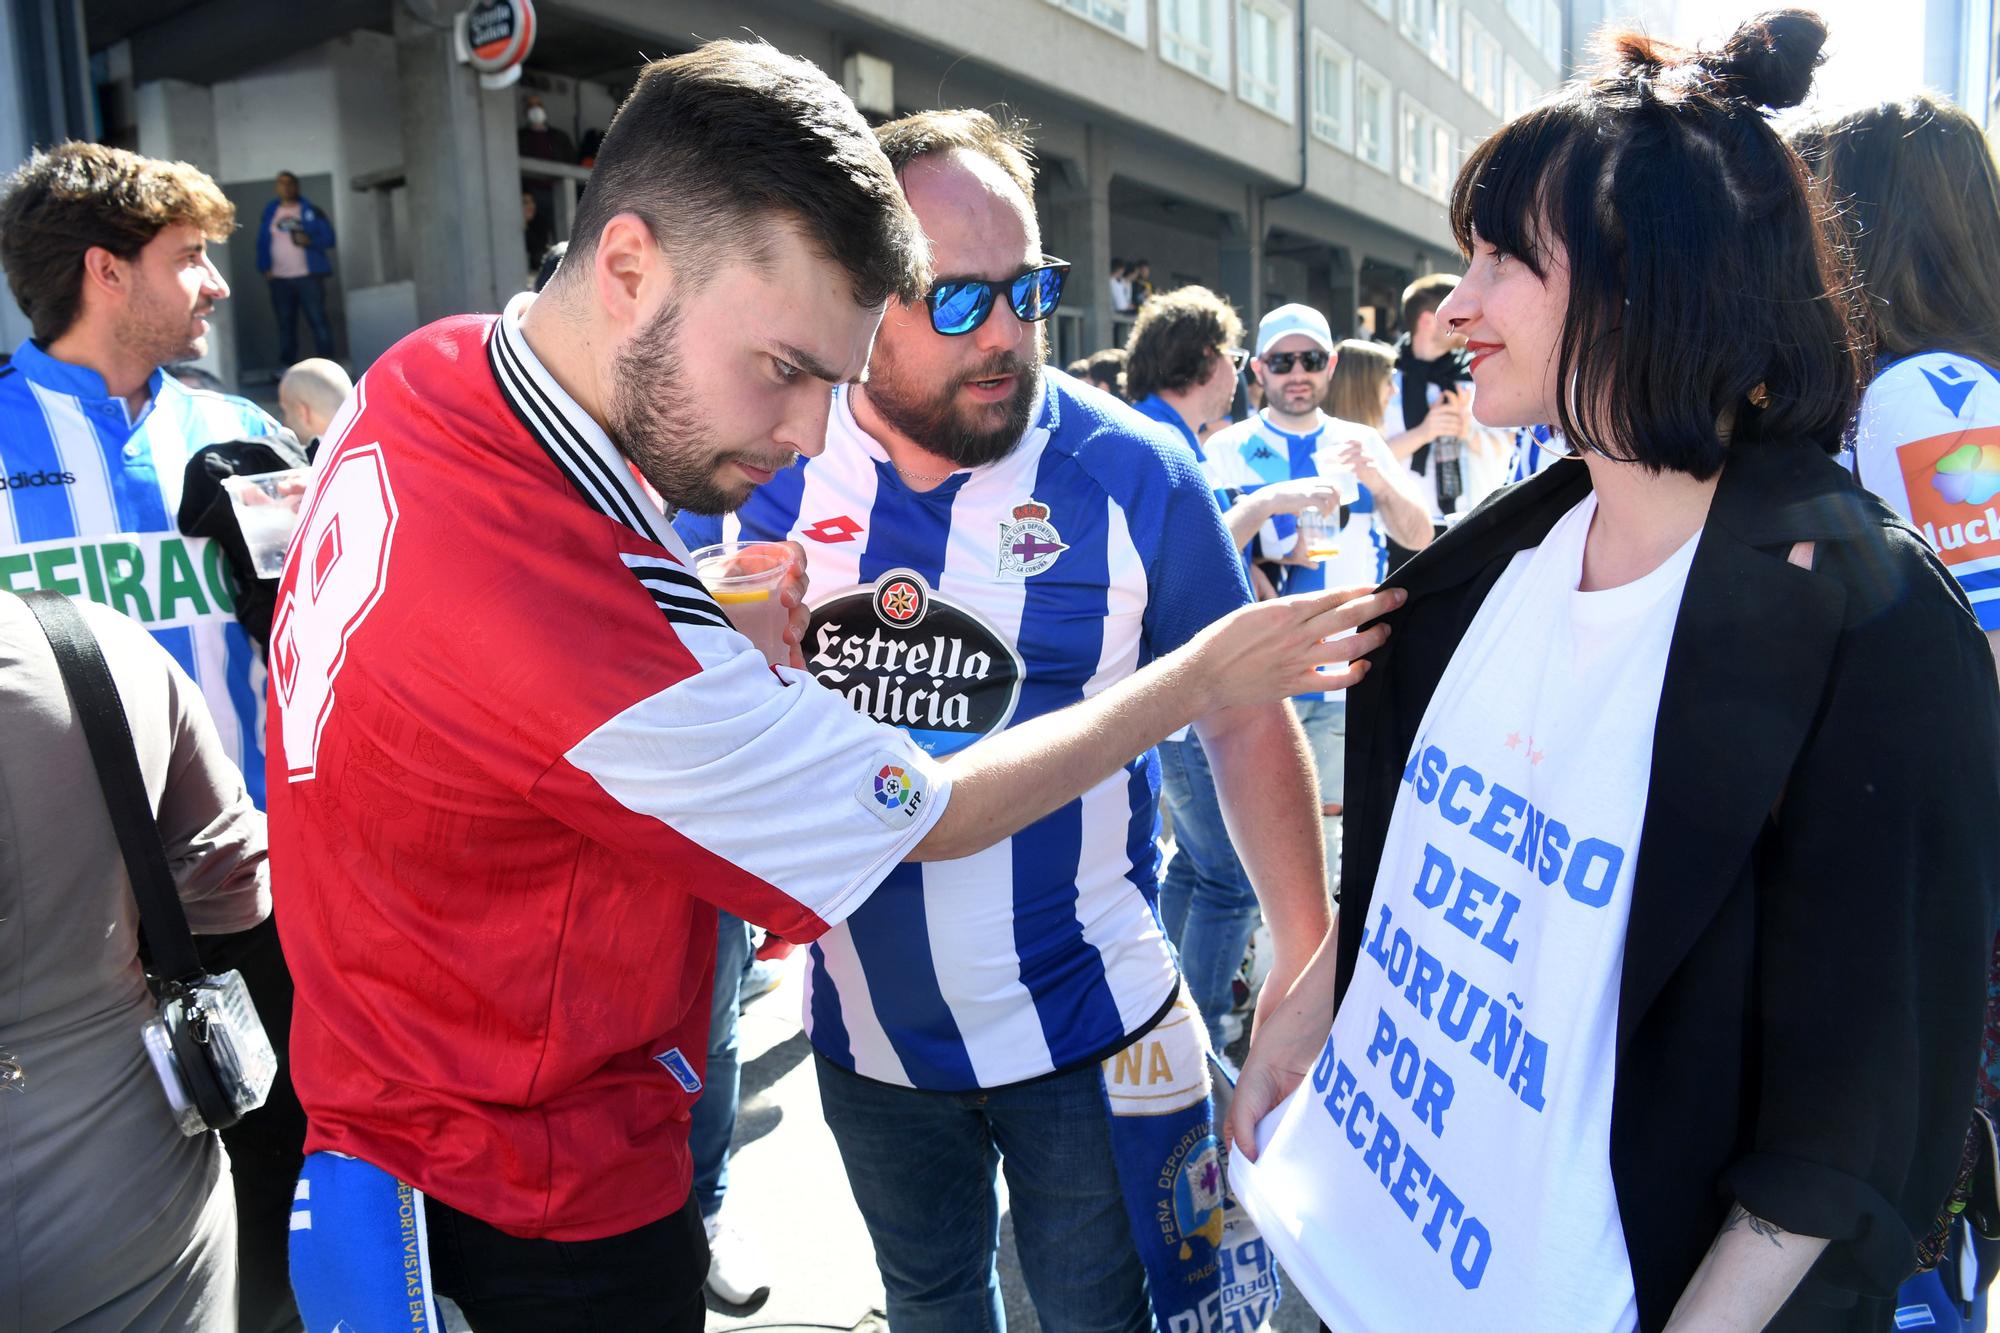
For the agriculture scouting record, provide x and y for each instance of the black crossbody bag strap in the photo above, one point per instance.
(95, 696)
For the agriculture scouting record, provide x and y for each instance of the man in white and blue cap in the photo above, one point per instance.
(1379, 501)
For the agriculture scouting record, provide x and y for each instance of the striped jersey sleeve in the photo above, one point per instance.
(1927, 441)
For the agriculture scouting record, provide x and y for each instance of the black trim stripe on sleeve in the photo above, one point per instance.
(686, 618)
(689, 606)
(671, 574)
(571, 454)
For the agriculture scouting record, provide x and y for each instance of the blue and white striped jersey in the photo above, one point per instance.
(1532, 452)
(87, 503)
(1255, 453)
(1009, 591)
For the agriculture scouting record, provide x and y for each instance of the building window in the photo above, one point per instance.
(1519, 91)
(1480, 69)
(1127, 18)
(1430, 151)
(1192, 36)
(1433, 26)
(1552, 36)
(1444, 160)
(1527, 16)
(1333, 92)
(1265, 56)
(1386, 8)
(1372, 127)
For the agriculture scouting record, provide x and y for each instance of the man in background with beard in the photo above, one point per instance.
(989, 541)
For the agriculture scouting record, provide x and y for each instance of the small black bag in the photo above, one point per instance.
(206, 1045)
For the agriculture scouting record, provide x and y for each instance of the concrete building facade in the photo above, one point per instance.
(1962, 57)
(1275, 150)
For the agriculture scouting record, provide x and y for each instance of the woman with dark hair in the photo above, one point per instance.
(1668, 882)
(1919, 193)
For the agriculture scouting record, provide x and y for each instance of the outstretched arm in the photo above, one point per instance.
(1252, 656)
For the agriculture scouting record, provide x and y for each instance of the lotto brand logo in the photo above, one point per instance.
(22, 481)
(892, 785)
(832, 530)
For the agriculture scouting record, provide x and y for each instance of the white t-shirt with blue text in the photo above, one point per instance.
(1446, 1165)
(1010, 591)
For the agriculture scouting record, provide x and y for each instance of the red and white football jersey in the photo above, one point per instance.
(517, 758)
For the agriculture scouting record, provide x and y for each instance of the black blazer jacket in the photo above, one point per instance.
(1800, 1010)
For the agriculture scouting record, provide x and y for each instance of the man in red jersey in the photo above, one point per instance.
(518, 755)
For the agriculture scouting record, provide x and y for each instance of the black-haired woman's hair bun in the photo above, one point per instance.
(1770, 60)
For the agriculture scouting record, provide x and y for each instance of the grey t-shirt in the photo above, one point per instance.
(109, 1217)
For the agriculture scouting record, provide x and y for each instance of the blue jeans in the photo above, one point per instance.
(921, 1165)
(1325, 723)
(1207, 906)
(712, 1123)
(289, 296)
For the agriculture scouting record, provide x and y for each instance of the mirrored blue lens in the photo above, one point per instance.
(1037, 294)
(960, 307)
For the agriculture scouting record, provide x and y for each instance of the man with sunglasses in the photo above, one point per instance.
(989, 540)
(1292, 440)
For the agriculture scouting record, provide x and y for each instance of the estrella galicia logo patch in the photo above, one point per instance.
(677, 1064)
(902, 654)
(1030, 544)
(901, 598)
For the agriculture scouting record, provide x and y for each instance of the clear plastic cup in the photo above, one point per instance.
(267, 511)
(746, 578)
(1319, 533)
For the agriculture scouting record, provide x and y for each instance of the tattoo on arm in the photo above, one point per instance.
(1770, 1231)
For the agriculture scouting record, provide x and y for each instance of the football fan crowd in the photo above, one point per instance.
(1574, 729)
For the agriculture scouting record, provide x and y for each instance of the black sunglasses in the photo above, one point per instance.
(1281, 363)
(961, 305)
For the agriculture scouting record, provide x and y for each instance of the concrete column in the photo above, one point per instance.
(176, 121)
(463, 174)
(45, 97)
(16, 142)
(1079, 230)
(1243, 259)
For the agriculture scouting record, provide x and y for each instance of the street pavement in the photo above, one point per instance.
(789, 1196)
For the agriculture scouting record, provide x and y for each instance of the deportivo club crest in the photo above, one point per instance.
(1030, 544)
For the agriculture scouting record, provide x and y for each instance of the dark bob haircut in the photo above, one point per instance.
(1709, 304)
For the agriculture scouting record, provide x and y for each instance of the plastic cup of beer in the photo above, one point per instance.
(1319, 533)
(1347, 485)
(745, 578)
(267, 512)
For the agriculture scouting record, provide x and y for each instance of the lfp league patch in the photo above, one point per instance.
(677, 1064)
(893, 790)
